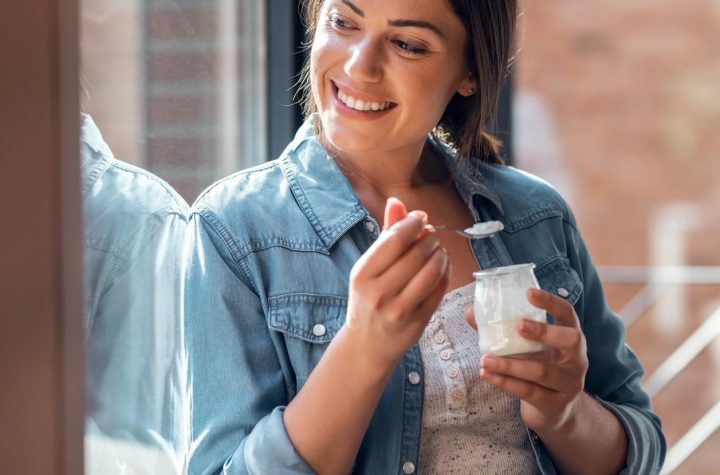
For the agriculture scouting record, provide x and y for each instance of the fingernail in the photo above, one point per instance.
(488, 361)
(536, 293)
(529, 327)
(419, 214)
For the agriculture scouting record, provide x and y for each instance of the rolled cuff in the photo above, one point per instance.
(268, 448)
(646, 443)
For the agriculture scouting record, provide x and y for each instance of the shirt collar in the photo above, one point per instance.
(95, 154)
(319, 186)
(328, 201)
(467, 175)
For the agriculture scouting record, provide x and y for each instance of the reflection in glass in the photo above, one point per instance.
(178, 89)
(134, 225)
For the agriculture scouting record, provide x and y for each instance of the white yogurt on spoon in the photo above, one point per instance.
(487, 228)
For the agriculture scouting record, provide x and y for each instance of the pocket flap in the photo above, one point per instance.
(313, 318)
(558, 277)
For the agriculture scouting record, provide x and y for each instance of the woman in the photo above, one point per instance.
(319, 344)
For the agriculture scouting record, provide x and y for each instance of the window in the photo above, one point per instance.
(177, 87)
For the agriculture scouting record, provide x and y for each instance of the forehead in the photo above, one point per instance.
(438, 12)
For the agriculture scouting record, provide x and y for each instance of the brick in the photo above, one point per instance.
(182, 24)
(177, 152)
(173, 110)
(181, 67)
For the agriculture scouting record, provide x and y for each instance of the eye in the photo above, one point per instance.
(338, 22)
(408, 48)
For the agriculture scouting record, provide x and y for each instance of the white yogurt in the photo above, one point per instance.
(500, 337)
(485, 229)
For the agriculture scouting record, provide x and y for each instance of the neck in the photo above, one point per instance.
(394, 172)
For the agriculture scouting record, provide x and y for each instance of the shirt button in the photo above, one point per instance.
(408, 468)
(319, 330)
(370, 226)
(445, 355)
(440, 338)
(453, 372)
(563, 292)
(414, 378)
(456, 396)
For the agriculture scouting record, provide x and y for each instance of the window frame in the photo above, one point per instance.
(41, 345)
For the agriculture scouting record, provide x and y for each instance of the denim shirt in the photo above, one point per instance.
(134, 229)
(269, 256)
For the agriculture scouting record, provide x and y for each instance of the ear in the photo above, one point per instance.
(468, 86)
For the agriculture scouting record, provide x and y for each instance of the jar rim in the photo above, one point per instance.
(503, 270)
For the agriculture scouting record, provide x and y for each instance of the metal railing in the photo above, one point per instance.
(657, 280)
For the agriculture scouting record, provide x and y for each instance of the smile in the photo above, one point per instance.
(361, 105)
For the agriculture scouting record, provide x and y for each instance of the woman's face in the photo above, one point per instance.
(383, 71)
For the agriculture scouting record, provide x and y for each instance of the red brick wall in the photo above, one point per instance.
(180, 90)
(634, 89)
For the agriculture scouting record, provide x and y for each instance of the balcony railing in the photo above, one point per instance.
(657, 281)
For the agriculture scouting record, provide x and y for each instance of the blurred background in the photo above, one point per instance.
(615, 103)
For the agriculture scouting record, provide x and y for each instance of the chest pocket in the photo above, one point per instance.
(559, 278)
(308, 323)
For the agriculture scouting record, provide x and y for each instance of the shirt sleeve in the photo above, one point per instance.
(135, 369)
(236, 380)
(615, 373)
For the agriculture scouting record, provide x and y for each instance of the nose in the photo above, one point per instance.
(365, 61)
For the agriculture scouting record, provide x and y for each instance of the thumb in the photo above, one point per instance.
(470, 316)
(394, 211)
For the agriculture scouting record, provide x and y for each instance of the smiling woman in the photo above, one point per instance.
(324, 326)
(487, 47)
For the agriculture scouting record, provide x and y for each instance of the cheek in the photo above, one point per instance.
(320, 61)
(429, 94)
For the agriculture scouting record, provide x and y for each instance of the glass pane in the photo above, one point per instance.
(178, 87)
(174, 99)
(617, 105)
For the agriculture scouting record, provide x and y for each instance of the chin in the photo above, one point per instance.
(348, 137)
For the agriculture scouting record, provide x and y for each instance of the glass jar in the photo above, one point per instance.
(500, 303)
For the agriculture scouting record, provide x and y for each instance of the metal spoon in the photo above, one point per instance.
(477, 231)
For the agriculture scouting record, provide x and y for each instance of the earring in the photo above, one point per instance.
(471, 91)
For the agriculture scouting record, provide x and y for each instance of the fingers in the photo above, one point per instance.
(530, 392)
(428, 306)
(424, 281)
(391, 244)
(394, 211)
(559, 308)
(554, 336)
(470, 316)
(397, 276)
(534, 371)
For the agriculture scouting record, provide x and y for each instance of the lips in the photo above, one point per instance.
(361, 102)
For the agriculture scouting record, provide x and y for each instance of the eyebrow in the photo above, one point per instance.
(400, 23)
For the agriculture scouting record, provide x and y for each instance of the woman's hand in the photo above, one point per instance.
(549, 388)
(396, 286)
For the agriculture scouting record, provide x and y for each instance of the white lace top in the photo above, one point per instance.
(468, 426)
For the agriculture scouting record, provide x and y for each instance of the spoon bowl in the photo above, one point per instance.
(477, 231)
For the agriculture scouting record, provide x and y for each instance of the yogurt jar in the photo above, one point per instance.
(500, 304)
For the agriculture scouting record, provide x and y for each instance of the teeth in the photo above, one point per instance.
(361, 105)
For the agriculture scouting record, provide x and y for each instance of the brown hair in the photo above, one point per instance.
(490, 26)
